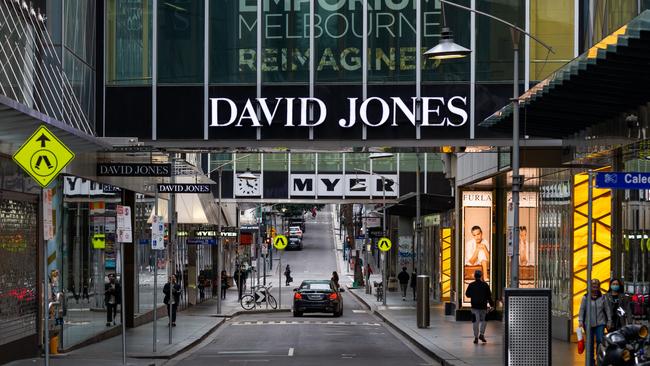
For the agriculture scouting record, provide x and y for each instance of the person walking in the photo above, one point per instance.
(112, 297)
(403, 278)
(287, 275)
(335, 279)
(600, 317)
(619, 303)
(240, 280)
(481, 296)
(414, 282)
(172, 291)
(224, 284)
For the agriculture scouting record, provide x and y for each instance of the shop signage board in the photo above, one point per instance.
(133, 170)
(43, 156)
(201, 241)
(124, 231)
(184, 188)
(76, 186)
(623, 180)
(157, 233)
(338, 185)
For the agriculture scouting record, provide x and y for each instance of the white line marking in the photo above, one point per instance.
(290, 354)
(357, 311)
(241, 352)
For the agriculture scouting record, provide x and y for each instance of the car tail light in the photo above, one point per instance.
(333, 296)
(297, 296)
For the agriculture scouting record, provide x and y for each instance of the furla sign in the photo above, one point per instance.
(449, 112)
(340, 185)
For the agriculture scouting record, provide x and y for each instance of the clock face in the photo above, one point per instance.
(248, 187)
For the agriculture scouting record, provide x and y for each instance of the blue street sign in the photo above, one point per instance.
(201, 241)
(619, 180)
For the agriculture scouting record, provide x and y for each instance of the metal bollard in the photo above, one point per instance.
(423, 311)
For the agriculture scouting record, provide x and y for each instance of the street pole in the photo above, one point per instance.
(365, 247)
(46, 297)
(280, 279)
(384, 283)
(219, 263)
(171, 215)
(516, 179)
(258, 247)
(122, 303)
(590, 254)
(155, 281)
(418, 219)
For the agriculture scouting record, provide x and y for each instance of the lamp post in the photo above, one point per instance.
(219, 265)
(446, 49)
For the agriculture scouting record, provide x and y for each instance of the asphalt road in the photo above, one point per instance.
(356, 338)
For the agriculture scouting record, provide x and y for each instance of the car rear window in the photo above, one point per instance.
(316, 286)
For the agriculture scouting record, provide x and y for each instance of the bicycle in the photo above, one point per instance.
(252, 300)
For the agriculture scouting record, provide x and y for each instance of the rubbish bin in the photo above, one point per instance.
(423, 311)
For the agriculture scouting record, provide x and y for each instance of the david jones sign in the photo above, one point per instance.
(372, 112)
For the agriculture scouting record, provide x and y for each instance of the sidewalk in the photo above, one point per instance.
(193, 326)
(447, 340)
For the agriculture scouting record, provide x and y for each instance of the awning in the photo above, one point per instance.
(610, 78)
(18, 122)
(429, 204)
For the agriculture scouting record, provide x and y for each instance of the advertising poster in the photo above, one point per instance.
(477, 237)
(124, 232)
(527, 237)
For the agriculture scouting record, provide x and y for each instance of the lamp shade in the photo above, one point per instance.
(447, 48)
(380, 155)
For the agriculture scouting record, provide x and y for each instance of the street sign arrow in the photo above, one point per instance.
(42, 139)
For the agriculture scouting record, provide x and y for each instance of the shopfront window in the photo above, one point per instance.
(180, 41)
(128, 45)
(554, 238)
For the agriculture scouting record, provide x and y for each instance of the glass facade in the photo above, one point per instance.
(552, 21)
(128, 42)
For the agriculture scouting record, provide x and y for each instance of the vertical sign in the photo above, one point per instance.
(477, 236)
(48, 227)
(124, 233)
(157, 233)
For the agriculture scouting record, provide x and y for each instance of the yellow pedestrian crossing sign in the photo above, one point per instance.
(384, 244)
(280, 242)
(43, 156)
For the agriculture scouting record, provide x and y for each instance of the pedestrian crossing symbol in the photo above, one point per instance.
(384, 244)
(43, 156)
(280, 242)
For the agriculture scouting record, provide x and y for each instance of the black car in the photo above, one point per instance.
(294, 243)
(317, 296)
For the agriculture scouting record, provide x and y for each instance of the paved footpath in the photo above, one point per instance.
(448, 341)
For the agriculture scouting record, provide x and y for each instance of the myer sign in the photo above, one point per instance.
(372, 112)
(339, 185)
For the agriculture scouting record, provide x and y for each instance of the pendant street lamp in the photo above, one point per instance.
(447, 48)
(247, 175)
(359, 186)
(380, 155)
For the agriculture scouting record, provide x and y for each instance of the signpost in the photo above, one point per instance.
(280, 242)
(43, 156)
(124, 235)
(620, 180)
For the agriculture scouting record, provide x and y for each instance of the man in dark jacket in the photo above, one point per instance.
(112, 297)
(480, 294)
(414, 282)
(172, 291)
(403, 278)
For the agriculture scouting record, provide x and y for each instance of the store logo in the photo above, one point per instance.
(611, 178)
(372, 112)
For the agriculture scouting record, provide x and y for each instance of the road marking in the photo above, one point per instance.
(304, 322)
(290, 354)
(357, 311)
(241, 352)
(247, 361)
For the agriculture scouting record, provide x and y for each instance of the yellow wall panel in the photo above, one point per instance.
(445, 277)
(602, 238)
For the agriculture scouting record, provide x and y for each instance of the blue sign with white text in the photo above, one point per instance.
(618, 180)
(200, 241)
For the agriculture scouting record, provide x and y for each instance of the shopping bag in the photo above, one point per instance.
(581, 340)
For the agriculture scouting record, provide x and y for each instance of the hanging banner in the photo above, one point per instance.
(124, 231)
(527, 237)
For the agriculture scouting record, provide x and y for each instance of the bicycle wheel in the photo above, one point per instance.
(271, 300)
(248, 302)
